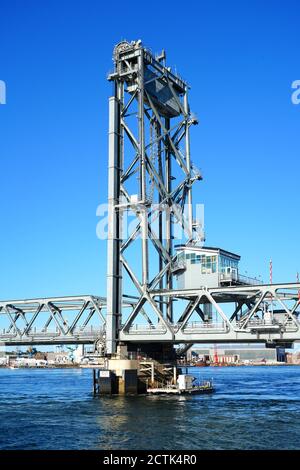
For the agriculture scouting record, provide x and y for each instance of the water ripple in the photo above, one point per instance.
(253, 408)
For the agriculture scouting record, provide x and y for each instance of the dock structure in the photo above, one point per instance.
(158, 294)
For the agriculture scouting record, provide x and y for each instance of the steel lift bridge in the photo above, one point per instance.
(150, 181)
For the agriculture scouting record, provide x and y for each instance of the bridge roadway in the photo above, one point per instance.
(81, 319)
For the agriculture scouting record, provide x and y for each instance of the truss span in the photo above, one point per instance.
(56, 320)
(244, 314)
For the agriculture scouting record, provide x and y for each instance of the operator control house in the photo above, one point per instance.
(208, 267)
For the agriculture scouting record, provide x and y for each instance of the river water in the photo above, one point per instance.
(252, 408)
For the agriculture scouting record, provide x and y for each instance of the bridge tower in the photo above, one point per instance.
(150, 179)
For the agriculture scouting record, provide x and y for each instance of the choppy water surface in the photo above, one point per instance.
(253, 408)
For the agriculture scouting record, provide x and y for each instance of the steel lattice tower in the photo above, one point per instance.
(150, 175)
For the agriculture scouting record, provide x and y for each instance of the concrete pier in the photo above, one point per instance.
(125, 376)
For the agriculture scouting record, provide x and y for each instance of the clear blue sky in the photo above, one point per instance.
(240, 59)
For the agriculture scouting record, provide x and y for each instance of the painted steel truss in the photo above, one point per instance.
(59, 320)
(262, 313)
(151, 176)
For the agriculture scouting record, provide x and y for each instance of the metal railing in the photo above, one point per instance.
(205, 327)
(35, 333)
(239, 278)
(288, 325)
(136, 329)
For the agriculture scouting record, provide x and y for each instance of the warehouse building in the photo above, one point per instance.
(241, 354)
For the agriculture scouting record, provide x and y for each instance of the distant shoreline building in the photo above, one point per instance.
(240, 354)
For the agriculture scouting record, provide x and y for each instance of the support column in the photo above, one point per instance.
(160, 217)
(114, 295)
(143, 187)
(169, 227)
